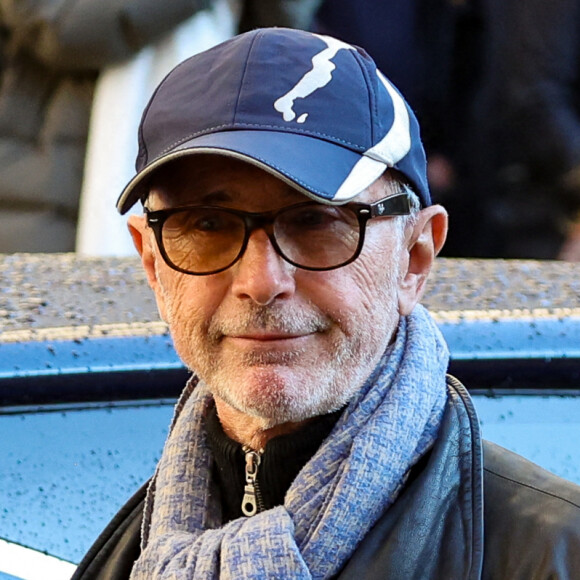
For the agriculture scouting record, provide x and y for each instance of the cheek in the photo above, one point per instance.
(376, 297)
(190, 303)
(377, 273)
(358, 295)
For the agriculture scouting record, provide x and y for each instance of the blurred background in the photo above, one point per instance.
(495, 85)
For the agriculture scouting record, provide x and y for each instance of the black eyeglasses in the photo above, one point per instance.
(203, 240)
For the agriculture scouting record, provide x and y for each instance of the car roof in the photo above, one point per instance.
(62, 315)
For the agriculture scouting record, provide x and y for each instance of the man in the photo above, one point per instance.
(287, 236)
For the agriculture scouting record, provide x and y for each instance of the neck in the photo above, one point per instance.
(248, 430)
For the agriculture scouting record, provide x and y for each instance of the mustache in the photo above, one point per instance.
(271, 319)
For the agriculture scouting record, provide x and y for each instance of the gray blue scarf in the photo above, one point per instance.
(340, 493)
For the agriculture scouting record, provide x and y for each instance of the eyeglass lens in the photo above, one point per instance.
(201, 240)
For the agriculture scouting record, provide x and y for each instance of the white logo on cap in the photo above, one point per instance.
(317, 77)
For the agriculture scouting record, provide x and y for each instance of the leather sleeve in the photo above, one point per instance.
(532, 520)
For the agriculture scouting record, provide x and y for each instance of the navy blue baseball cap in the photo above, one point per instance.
(310, 109)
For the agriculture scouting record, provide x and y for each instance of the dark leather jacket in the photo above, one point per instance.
(470, 510)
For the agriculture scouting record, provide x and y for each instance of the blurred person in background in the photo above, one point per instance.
(51, 54)
(525, 156)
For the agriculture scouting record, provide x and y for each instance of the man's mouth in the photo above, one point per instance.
(268, 336)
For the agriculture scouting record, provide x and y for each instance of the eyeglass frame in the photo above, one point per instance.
(398, 204)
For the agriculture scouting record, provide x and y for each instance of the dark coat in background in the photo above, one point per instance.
(524, 154)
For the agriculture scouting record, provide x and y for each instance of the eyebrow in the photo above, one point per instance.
(218, 196)
(177, 200)
(215, 196)
(221, 195)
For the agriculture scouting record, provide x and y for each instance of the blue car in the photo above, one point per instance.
(89, 376)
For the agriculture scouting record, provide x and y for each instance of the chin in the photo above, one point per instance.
(278, 397)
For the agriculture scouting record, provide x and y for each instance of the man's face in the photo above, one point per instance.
(269, 339)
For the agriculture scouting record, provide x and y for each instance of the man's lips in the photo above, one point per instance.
(267, 340)
(265, 336)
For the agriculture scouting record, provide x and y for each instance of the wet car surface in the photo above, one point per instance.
(88, 378)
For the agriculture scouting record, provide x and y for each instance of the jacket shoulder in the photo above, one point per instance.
(516, 472)
(532, 519)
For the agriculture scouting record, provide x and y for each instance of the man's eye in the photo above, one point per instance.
(207, 222)
(315, 218)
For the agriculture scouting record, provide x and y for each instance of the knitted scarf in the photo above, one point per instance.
(336, 498)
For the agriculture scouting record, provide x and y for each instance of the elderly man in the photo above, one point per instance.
(288, 233)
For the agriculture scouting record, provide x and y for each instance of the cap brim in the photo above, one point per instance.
(321, 170)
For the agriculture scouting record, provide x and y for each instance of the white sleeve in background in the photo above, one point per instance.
(121, 94)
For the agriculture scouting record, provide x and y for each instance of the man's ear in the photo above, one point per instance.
(144, 243)
(423, 242)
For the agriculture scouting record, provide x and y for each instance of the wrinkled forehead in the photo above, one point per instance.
(209, 179)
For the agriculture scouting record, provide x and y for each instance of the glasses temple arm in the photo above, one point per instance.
(398, 204)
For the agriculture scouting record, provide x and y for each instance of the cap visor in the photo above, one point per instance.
(320, 169)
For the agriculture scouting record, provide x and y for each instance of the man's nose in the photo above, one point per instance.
(261, 274)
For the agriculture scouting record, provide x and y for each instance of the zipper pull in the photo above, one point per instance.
(251, 501)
